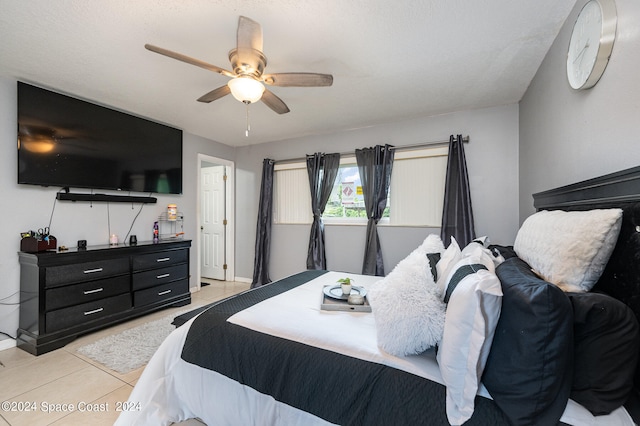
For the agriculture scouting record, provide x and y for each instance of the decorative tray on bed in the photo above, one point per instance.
(334, 300)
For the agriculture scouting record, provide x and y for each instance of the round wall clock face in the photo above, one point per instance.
(591, 43)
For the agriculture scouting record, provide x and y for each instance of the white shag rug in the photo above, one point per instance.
(132, 348)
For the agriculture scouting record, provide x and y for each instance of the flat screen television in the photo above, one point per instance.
(68, 142)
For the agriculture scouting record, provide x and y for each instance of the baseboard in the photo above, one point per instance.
(243, 280)
(7, 344)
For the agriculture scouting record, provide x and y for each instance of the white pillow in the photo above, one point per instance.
(409, 315)
(569, 249)
(475, 248)
(447, 261)
(471, 317)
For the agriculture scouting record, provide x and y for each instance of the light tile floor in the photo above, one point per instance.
(64, 376)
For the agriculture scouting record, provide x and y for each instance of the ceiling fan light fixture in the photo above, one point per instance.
(246, 89)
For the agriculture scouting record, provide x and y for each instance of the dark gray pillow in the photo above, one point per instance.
(434, 258)
(606, 342)
(504, 251)
(529, 369)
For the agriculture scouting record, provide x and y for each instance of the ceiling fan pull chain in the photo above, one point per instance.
(248, 126)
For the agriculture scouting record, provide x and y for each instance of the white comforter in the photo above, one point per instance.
(172, 390)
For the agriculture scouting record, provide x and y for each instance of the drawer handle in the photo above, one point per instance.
(162, 276)
(91, 271)
(162, 293)
(95, 311)
(97, 290)
(163, 259)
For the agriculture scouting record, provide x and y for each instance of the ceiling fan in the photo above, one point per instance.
(248, 64)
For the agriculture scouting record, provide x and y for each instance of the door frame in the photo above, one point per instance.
(229, 204)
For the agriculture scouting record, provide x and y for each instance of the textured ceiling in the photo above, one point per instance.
(391, 60)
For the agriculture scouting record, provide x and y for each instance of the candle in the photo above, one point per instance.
(113, 240)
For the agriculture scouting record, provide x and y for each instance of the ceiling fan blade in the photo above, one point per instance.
(274, 102)
(215, 94)
(249, 34)
(298, 79)
(188, 60)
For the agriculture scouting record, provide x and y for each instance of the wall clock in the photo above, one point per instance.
(591, 43)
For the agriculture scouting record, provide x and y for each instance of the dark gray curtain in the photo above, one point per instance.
(263, 229)
(374, 165)
(322, 170)
(457, 214)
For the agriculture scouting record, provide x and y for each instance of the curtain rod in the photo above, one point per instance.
(465, 139)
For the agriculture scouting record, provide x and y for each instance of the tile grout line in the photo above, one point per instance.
(104, 370)
(202, 298)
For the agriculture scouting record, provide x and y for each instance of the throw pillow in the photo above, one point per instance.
(447, 261)
(408, 313)
(529, 368)
(606, 342)
(474, 300)
(569, 249)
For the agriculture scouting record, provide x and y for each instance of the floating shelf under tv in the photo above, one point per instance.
(70, 196)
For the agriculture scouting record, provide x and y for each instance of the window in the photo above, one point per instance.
(415, 197)
(417, 188)
(291, 194)
(346, 200)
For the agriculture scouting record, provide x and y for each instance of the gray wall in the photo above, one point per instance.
(555, 136)
(30, 207)
(492, 162)
(568, 136)
(493, 169)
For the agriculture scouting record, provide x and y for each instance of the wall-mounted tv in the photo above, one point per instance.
(71, 143)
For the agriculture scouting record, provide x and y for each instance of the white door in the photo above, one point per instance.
(213, 222)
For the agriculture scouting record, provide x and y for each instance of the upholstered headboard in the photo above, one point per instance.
(621, 278)
(619, 189)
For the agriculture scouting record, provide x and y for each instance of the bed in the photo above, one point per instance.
(272, 356)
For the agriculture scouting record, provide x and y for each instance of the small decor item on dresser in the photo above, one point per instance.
(172, 212)
(113, 240)
(156, 232)
(41, 240)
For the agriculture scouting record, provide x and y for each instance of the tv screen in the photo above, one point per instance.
(67, 142)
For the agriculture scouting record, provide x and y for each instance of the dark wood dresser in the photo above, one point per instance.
(69, 293)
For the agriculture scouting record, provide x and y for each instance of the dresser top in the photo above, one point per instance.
(100, 251)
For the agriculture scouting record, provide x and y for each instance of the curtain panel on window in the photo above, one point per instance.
(322, 170)
(263, 228)
(374, 165)
(457, 214)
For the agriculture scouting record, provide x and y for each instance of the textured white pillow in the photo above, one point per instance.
(471, 317)
(408, 313)
(569, 249)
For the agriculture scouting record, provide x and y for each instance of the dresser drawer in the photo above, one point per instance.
(67, 274)
(159, 276)
(160, 293)
(158, 260)
(60, 297)
(82, 314)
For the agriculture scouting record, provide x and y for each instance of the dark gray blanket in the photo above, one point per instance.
(337, 388)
